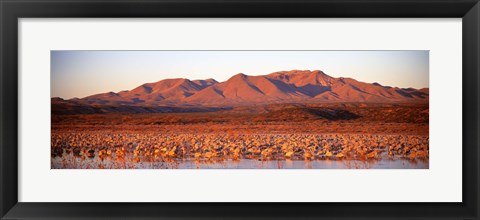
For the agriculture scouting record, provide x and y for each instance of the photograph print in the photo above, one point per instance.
(239, 109)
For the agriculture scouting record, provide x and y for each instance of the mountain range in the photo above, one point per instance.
(296, 86)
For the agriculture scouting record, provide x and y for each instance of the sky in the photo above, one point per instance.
(83, 73)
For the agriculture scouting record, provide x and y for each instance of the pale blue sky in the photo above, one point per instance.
(84, 73)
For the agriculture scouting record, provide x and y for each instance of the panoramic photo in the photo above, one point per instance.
(239, 109)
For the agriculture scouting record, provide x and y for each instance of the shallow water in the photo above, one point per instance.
(302, 164)
(70, 162)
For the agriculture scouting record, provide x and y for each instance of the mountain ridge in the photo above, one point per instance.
(294, 86)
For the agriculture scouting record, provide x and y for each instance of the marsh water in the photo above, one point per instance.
(71, 162)
(305, 164)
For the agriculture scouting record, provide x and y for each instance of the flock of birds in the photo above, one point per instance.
(150, 146)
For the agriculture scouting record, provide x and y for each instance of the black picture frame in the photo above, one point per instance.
(12, 10)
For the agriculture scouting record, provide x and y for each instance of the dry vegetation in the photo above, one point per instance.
(298, 133)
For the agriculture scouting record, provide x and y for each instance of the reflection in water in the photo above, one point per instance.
(72, 162)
